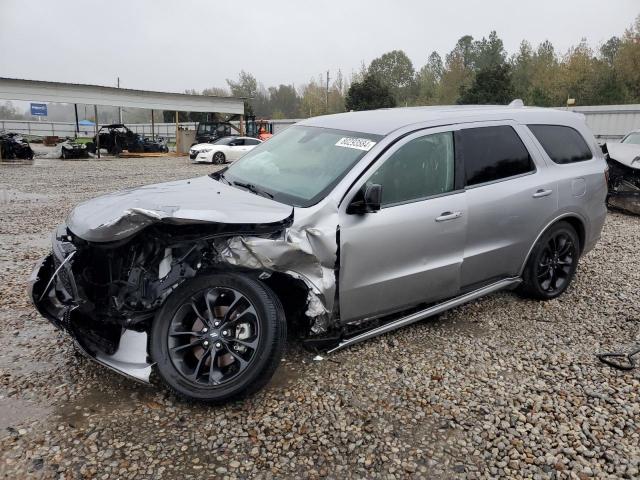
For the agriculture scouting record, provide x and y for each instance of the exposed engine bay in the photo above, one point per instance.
(105, 285)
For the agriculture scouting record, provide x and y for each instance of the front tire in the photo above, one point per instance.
(553, 262)
(218, 337)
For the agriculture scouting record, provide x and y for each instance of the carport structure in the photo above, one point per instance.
(57, 92)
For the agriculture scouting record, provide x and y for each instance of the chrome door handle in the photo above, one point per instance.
(542, 193)
(444, 216)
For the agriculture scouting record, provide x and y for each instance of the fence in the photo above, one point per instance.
(67, 129)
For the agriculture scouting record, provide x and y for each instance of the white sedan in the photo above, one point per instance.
(223, 150)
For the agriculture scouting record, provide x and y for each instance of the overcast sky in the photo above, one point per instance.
(170, 45)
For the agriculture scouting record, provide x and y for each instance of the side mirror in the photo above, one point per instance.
(368, 201)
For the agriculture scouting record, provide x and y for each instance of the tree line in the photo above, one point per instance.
(475, 71)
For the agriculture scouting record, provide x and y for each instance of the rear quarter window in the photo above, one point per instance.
(562, 144)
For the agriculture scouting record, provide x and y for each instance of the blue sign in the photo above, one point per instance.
(39, 109)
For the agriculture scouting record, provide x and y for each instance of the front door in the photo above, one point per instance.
(411, 250)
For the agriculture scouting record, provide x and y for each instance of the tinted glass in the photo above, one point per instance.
(562, 144)
(492, 153)
(633, 138)
(224, 141)
(300, 165)
(251, 141)
(421, 168)
(237, 142)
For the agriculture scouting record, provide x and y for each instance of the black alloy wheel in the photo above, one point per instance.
(552, 263)
(214, 336)
(218, 337)
(556, 262)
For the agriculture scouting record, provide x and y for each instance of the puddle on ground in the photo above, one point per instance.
(27, 241)
(19, 344)
(11, 195)
(15, 412)
(113, 396)
(285, 375)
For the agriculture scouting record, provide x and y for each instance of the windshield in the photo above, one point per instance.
(302, 164)
(633, 138)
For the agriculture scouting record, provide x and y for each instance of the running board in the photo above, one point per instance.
(428, 312)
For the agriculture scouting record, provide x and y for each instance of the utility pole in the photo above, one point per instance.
(119, 108)
(75, 107)
(327, 96)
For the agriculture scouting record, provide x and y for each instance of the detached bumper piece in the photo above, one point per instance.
(58, 297)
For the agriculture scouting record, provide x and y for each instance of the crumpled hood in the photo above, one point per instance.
(121, 214)
(626, 153)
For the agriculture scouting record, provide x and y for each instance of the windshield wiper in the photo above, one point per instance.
(253, 189)
(220, 176)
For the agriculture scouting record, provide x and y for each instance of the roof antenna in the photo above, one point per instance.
(516, 103)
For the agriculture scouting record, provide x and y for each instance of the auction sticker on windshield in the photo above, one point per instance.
(357, 143)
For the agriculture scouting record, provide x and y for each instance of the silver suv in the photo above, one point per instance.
(340, 228)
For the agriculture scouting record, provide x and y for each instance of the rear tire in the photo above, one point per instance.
(225, 348)
(552, 263)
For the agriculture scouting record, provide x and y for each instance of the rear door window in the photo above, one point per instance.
(492, 153)
(562, 144)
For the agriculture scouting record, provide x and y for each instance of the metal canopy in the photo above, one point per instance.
(36, 90)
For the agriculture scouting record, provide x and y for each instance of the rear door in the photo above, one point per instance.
(511, 195)
(579, 170)
(410, 251)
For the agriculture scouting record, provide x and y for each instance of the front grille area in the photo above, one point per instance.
(63, 275)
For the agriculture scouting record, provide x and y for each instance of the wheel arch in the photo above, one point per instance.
(293, 294)
(573, 219)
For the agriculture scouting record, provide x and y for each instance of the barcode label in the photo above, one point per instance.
(357, 143)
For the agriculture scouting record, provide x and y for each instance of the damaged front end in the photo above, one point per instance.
(108, 274)
(624, 177)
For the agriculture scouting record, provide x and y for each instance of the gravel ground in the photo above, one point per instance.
(502, 387)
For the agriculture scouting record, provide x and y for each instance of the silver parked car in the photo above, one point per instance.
(341, 227)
